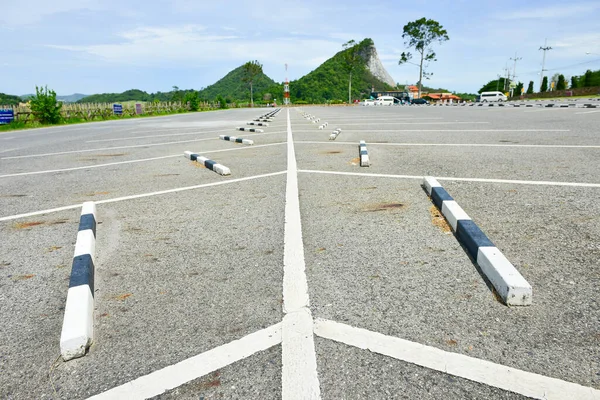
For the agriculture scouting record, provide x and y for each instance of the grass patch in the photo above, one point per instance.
(563, 98)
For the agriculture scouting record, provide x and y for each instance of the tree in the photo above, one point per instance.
(574, 82)
(420, 35)
(587, 79)
(45, 107)
(351, 61)
(251, 70)
(492, 86)
(530, 88)
(518, 89)
(544, 86)
(561, 84)
(193, 100)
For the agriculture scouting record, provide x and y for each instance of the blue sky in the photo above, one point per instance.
(94, 46)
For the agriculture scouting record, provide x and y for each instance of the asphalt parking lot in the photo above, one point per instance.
(206, 285)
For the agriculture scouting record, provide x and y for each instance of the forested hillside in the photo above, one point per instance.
(9, 100)
(330, 80)
(232, 87)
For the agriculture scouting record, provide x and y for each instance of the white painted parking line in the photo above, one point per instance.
(588, 112)
(299, 378)
(118, 147)
(483, 180)
(156, 136)
(185, 371)
(139, 196)
(474, 369)
(421, 123)
(446, 130)
(558, 146)
(131, 161)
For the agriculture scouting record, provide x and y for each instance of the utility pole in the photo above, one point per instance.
(515, 70)
(498, 82)
(545, 48)
(506, 76)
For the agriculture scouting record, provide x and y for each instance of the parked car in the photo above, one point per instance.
(385, 101)
(367, 102)
(484, 97)
(419, 101)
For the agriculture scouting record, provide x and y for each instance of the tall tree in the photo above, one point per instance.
(530, 88)
(544, 86)
(574, 82)
(251, 70)
(518, 89)
(587, 78)
(561, 84)
(420, 35)
(351, 61)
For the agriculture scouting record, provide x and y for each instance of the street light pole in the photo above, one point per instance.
(545, 48)
(515, 70)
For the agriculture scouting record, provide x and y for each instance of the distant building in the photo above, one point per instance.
(441, 97)
(394, 93)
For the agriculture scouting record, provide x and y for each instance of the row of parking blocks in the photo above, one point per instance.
(220, 169)
(78, 328)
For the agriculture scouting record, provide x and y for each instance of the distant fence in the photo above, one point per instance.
(103, 111)
(585, 91)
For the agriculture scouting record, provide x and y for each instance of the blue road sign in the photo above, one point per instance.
(6, 116)
(117, 109)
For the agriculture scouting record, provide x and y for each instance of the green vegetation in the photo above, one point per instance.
(420, 35)
(252, 69)
(495, 85)
(9, 100)
(45, 106)
(561, 85)
(544, 86)
(328, 81)
(530, 88)
(232, 86)
(352, 62)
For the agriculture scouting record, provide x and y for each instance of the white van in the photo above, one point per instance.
(485, 97)
(385, 101)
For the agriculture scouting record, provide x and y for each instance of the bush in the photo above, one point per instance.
(193, 100)
(221, 101)
(45, 107)
(544, 86)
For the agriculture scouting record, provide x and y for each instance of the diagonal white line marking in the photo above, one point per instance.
(474, 369)
(299, 378)
(167, 135)
(448, 178)
(125, 147)
(139, 196)
(187, 370)
(133, 161)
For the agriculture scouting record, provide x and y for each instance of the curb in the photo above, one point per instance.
(257, 123)
(78, 324)
(249, 129)
(335, 134)
(236, 139)
(323, 125)
(263, 120)
(208, 163)
(363, 153)
(508, 282)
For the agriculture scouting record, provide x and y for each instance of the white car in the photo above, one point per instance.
(367, 102)
(384, 101)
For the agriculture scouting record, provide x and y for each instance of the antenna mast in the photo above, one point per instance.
(286, 88)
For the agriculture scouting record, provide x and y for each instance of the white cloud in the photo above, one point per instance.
(193, 44)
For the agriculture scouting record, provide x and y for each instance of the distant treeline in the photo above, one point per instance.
(9, 100)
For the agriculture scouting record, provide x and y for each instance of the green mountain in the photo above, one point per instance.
(128, 95)
(231, 87)
(9, 100)
(330, 80)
